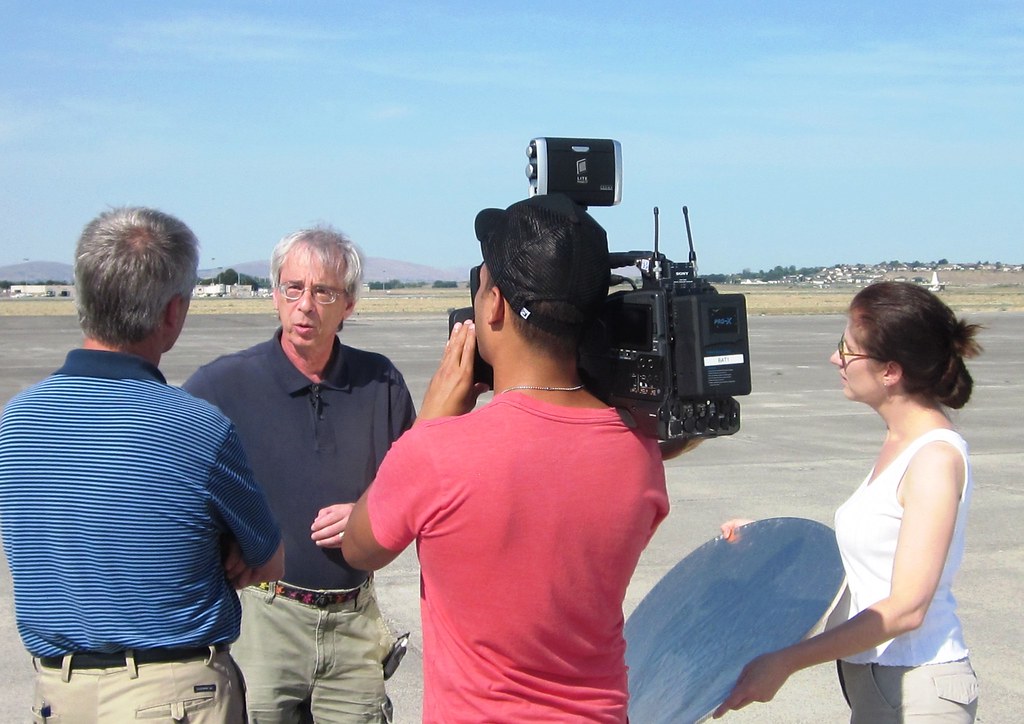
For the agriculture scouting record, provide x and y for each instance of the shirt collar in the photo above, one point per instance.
(109, 365)
(335, 375)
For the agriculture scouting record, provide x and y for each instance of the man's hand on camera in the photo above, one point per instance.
(451, 390)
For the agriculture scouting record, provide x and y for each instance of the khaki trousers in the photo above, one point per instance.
(302, 663)
(200, 691)
(946, 693)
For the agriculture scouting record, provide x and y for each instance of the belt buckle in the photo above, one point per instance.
(322, 600)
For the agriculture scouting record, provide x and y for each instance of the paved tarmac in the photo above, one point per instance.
(802, 449)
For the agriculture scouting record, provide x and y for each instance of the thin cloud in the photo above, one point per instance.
(235, 39)
(389, 113)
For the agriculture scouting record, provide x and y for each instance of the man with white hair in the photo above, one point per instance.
(316, 417)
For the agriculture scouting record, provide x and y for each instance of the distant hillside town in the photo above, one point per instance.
(863, 274)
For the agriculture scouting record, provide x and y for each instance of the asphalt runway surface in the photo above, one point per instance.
(801, 450)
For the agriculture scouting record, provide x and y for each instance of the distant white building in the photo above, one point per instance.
(210, 290)
(223, 290)
(65, 291)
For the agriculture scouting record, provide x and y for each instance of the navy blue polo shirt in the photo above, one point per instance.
(311, 445)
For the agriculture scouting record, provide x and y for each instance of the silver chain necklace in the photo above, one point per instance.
(541, 388)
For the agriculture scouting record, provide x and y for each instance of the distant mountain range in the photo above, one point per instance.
(375, 270)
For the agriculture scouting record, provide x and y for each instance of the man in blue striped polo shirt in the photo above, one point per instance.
(129, 511)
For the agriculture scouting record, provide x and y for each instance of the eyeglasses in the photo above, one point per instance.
(293, 291)
(845, 357)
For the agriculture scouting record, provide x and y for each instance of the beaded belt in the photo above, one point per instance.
(320, 599)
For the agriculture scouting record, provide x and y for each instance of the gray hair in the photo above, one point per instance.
(332, 249)
(129, 263)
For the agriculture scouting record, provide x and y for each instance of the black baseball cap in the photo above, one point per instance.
(547, 248)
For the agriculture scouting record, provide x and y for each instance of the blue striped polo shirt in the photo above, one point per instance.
(116, 492)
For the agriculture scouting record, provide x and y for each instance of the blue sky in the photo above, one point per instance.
(805, 133)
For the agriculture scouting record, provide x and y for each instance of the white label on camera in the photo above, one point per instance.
(725, 359)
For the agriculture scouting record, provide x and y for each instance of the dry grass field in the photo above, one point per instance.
(761, 300)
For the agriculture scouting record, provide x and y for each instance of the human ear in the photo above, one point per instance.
(892, 374)
(494, 305)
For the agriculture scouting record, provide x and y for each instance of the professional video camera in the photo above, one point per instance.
(672, 352)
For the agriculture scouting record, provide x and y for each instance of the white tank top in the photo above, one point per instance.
(867, 528)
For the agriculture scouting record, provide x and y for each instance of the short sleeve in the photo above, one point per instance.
(406, 494)
(239, 501)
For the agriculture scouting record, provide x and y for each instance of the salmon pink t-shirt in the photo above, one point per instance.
(529, 520)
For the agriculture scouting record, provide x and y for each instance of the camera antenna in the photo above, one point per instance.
(657, 267)
(655, 231)
(689, 238)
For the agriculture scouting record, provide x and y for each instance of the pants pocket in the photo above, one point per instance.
(177, 710)
(42, 714)
(886, 686)
(958, 688)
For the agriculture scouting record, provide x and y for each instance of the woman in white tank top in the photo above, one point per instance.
(901, 534)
